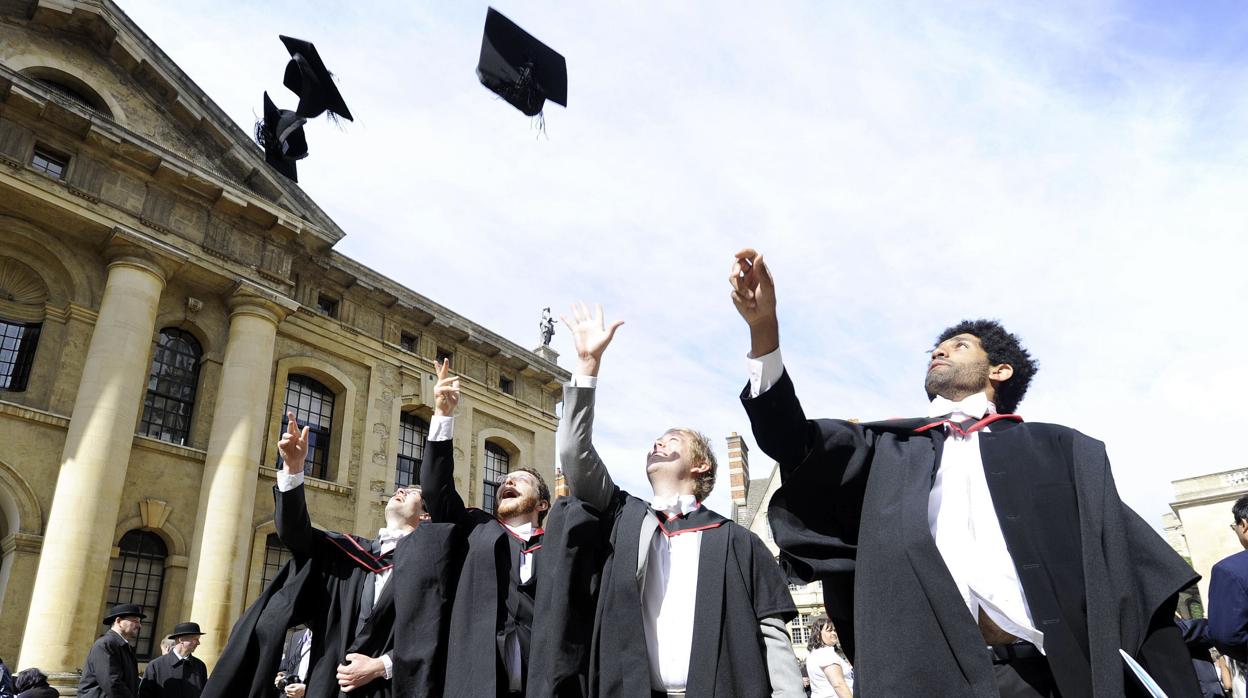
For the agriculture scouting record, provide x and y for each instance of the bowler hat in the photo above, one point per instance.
(123, 609)
(184, 629)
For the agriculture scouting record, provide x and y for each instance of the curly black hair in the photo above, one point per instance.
(1240, 509)
(1002, 348)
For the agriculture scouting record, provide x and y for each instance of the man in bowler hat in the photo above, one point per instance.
(176, 674)
(111, 670)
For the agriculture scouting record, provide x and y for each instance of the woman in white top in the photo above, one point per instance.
(830, 674)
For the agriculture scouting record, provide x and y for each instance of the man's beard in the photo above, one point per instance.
(957, 381)
(516, 506)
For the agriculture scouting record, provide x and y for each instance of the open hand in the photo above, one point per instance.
(358, 671)
(293, 446)
(591, 336)
(446, 392)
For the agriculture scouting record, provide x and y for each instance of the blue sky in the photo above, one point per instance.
(1074, 169)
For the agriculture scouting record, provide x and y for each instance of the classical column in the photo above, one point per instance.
(74, 565)
(217, 580)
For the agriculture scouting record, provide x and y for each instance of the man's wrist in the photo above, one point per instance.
(587, 367)
(764, 336)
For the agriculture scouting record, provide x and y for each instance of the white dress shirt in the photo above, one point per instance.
(669, 594)
(961, 515)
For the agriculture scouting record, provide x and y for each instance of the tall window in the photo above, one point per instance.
(49, 163)
(275, 555)
(799, 629)
(313, 405)
(137, 577)
(17, 353)
(171, 387)
(412, 434)
(497, 465)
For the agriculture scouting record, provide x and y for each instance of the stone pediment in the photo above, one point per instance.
(128, 111)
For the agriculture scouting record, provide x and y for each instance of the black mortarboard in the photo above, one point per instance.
(519, 68)
(307, 76)
(281, 135)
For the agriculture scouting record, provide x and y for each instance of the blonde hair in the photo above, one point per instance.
(700, 452)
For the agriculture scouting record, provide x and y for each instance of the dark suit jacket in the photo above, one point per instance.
(111, 670)
(168, 677)
(852, 511)
(290, 654)
(1228, 606)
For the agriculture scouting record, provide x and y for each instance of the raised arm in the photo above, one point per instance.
(437, 469)
(290, 515)
(586, 475)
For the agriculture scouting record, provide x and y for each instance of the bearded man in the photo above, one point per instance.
(337, 584)
(981, 556)
(492, 612)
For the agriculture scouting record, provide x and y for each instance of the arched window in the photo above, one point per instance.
(497, 465)
(412, 434)
(68, 86)
(275, 555)
(137, 577)
(23, 296)
(313, 405)
(171, 387)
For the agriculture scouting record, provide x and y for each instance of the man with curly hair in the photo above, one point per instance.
(980, 555)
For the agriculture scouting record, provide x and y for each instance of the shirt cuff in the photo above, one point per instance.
(765, 370)
(288, 481)
(388, 664)
(580, 381)
(441, 428)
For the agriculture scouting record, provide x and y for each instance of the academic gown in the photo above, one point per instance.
(853, 512)
(589, 639)
(111, 671)
(325, 585)
(490, 601)
(167, 676)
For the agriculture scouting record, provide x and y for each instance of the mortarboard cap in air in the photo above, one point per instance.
(281, 135)
(307, 76)
(519, 68)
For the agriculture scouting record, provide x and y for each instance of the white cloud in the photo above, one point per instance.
(1074, 170)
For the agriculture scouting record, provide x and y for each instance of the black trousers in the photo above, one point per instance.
(1022, 672)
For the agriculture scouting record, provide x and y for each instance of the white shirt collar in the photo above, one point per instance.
(976, 406)
(674, 504)
(386, 535)
(524, 530)
(178, 654)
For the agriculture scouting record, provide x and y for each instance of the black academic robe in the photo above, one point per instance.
(167, 676)
(111, 671)
(589, 639)
(327, 585)
(852, 511)
(490, 601)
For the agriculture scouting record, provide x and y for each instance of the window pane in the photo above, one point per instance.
(171, 387)
(313, 405)
(18, 354)
(497, 465)
(275, 555)
(413, 431)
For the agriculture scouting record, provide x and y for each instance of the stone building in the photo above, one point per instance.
(1200, 526)
(749, 509)
(165, 297)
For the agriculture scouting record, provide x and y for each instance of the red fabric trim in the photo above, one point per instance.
(513, 534)
(973, 428)
(369, 564)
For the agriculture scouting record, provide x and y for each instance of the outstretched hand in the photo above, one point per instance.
(591, 335)
(754, 295)
(446, 392)
(293, 445)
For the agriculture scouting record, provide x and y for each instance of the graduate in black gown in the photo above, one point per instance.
(658, 597)
(112, 669)
(965, 553)
(338, 585)
(176, 673)
(492, 616)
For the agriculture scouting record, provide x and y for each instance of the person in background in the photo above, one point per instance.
(831, 675)
(33, 683)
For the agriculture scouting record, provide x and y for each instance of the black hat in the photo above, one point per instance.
(307, 76)
(184, 629)
(123, 609)
(281, 135)
(519, 68)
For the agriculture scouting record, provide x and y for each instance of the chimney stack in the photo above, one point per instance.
(738, 469)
